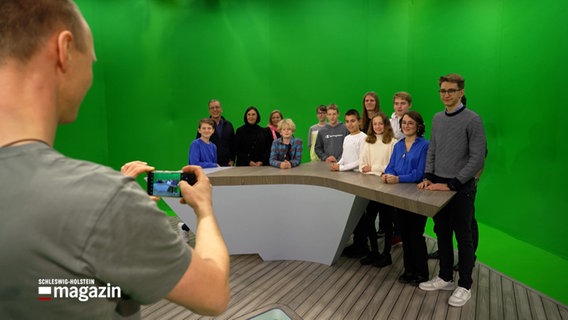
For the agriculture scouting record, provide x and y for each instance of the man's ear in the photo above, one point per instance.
(64, 45)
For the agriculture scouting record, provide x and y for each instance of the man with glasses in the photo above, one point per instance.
(224, 136)
(321, 113)
(456, 154)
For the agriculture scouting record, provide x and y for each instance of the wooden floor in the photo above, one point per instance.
(348, 290)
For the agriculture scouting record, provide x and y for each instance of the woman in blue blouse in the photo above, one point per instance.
(286, 151)
(407, 164)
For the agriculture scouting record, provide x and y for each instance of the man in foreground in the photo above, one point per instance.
(71, 227)
(456, 154)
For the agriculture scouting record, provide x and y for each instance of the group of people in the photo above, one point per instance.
(218, 145)
(89, 222)
(393, 148)
(377, 151)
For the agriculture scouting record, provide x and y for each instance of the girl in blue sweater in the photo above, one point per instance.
(407, 164)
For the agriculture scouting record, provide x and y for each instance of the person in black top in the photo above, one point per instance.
(249, 140)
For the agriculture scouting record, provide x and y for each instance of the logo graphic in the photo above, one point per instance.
(44, 293)
(80, 289)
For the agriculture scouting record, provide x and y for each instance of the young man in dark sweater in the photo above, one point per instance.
(456, 153)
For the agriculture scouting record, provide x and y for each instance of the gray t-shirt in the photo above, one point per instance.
(64, 219)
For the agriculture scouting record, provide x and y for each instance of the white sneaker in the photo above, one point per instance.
(460, 296)
(437, 283)
(184, 235)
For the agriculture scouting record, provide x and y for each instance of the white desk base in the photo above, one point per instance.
(282, 221)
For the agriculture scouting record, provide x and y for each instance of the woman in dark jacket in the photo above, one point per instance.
(249, 140)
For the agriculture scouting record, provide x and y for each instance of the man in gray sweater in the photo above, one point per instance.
(329, 142)
(455, 155)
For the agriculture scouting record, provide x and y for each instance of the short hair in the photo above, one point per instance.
(26, 25)
(257, 114)
(321, 107)
(403, 95)
(454, 78)
(333, 106)
(214, 100)
(414, 115)
(286, 123)
(353, 112)
(208, 121)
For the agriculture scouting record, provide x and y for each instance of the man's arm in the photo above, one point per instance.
(477, 152)
(204, 288)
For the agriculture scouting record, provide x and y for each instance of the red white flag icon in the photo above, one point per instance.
(44, 291)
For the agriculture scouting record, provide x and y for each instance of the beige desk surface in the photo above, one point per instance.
(403, 195)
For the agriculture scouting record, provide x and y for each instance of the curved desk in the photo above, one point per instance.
(305, 213)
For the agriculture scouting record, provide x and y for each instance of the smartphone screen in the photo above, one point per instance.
(165, 183)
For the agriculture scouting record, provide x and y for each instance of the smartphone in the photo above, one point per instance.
(165, 183)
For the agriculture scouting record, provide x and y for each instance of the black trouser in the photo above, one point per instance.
(360, 233)
(458, 216)
(415, 254)
(385, 217)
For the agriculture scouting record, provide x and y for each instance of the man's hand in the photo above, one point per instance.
(428, 185)
(424, 184)
(334, 166)
(438, 187)
(134, 168)
(330, 159)
(198, 196)
(366, 169)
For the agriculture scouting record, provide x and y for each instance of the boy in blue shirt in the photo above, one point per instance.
(202, 151)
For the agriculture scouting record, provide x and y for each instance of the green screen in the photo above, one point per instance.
(159, 63)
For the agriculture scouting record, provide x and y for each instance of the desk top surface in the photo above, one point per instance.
(402, 195)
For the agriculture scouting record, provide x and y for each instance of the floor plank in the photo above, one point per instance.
(348, 290)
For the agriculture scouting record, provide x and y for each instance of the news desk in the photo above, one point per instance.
(305, 213)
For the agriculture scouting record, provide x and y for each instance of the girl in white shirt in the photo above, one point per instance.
(374, 159)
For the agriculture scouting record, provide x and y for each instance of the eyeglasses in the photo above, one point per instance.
(322, 112)
(449, 91)
(214, 107)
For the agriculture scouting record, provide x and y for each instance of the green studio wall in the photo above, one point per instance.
(159, 62)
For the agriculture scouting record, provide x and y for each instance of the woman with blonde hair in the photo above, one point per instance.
(286, 151)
